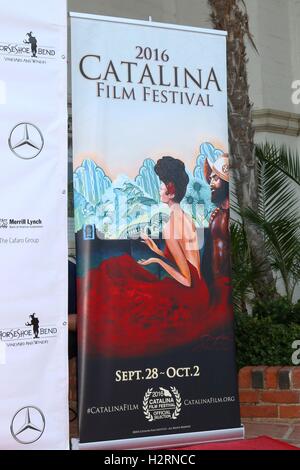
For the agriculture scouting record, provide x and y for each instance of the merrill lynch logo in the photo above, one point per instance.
(24, 223)
(29, 46)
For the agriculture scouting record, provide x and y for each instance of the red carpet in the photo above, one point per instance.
(259, 443)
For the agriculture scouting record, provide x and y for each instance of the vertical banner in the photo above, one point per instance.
(33, 225)
(151, 191)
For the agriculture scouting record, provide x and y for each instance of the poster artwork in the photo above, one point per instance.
(151, 188)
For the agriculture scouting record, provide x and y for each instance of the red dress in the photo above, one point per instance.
(128, 312)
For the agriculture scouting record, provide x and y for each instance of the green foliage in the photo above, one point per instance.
(282, 159)
(266, 337)
(260, 341)
(275, 172)
(244, 271)
(279, 311)
(277, 218)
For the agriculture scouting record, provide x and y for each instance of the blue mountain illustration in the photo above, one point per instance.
(91, 181)
(148, 180)
(125, 207)
(207, 150)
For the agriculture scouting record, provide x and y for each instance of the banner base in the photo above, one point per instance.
(163, 442)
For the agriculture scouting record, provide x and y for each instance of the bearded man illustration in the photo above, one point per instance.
(217, 175)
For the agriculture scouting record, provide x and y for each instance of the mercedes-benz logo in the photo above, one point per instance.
(28, 425)
(26, 141)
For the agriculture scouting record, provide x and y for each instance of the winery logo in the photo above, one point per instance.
(33, 43)
(28, 425)
(162, 404)
(34, 322)
(26, 50)
(26, 141)
(30, 334)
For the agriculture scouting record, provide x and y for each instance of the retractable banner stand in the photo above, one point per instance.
(151, 172)
(33, 225)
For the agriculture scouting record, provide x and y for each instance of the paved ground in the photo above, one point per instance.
(286, 431)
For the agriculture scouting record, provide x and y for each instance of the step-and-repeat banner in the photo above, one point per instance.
(151, 172)
(33, 225)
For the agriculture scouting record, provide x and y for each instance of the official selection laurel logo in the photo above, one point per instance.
(162, 404)
(28, 425)
(26, 141)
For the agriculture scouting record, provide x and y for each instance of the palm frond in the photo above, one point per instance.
(245, 272)
(283, 159)
(277, 194)
(283, 246)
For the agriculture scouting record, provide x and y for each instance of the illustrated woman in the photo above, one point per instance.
(179, 233)
(132, 311)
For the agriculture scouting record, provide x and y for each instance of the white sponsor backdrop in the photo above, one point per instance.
(33, 225)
